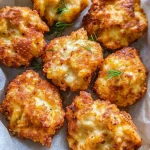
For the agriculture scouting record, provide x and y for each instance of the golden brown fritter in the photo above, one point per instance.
(21, 36)
(33, 107)
(59, 10)
(70, 61)
(117, 23)
(122, 79)
(99, 125)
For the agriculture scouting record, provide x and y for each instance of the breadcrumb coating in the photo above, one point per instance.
(59, 10)
(117, 23)
(129, 85)
(70, 61)
(21, 36)
(99, 125)
(33, 108)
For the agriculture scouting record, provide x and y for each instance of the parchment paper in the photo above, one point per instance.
(140, 112)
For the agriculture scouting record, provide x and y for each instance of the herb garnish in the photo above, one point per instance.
(58, 28)
(87, 47)
(64, 7)
(36, 66)
(93, 37)
(113, 73)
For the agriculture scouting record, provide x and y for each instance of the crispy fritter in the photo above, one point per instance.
(70, 61)
(122, 79)
(117, 23)
(33, 108)
(21, 36)
(59, 10)
(99, 125)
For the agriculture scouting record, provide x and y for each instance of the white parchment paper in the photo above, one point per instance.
(140, 112)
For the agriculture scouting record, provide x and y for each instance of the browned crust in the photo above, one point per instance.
(70, 51)
(117, 23)
(21, 36)
(117, 89)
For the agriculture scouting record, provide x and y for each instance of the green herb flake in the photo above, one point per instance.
(113, 73)
(62, 9)
(36, 66)
(59, 28)
(87, 47)
(93, 37)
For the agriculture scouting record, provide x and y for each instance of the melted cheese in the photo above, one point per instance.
(116, 23)
(99, 125)
(48, 9)
(130, 85)
(73, 60)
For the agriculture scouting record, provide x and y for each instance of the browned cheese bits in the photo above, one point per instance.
(21, 36)
(116, 23)
(122, 79)
(70, 61)
(99, 125)
(33, 108)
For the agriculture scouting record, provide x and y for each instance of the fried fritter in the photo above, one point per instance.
(21, 36)
(117, 23)
(33, 108)
(70, 61)
(59, 10)
(99, 125)
(122, 79)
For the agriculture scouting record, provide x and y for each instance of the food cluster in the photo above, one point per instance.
(33, 106)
